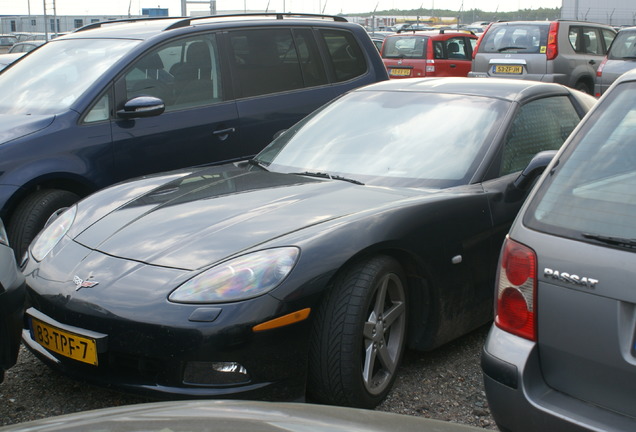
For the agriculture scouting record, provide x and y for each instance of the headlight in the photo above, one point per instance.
(240, 278)
(52, 234)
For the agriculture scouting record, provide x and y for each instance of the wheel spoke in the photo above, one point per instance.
(368, 331)
(393, 313)
(385, 357)
(381, 296)
(369, 364)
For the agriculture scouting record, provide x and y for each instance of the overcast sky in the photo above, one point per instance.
(121, 7)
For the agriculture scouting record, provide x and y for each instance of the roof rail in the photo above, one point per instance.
(279, 16)
(99, 24)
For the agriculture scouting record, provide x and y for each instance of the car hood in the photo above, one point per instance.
(14, 126)
(209, 215)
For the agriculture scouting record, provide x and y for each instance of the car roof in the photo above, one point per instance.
(497, 88)
(433, 33)
(144, 28)
(587, 23)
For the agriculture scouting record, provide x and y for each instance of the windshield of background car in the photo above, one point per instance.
(52, 78)
(387, 138)
(410, 47)
(592, 192)
(517, 38)
(624, 46)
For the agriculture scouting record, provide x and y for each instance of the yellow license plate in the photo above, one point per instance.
(65, 343)
(400, 72)
(506, 69)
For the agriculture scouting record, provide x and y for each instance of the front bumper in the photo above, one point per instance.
(148, 345)
(521, 401)
(192, 365)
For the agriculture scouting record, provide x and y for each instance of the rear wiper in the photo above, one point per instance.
(628, 57)
(511, 47)
(329, 176)
(614, 241)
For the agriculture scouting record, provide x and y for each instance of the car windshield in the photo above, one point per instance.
(55, 76)
(391, 138)
(405, 47)
(592, 194)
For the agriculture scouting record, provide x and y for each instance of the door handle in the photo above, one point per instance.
(592, 62)
(453, 65)
(222, 134)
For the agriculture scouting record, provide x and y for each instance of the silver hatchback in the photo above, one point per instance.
(561, 355)
(565, 52)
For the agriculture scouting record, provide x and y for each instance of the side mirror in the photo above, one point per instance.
(142, 106)
(534, 169)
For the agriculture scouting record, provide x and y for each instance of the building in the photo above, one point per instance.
(613, 12)
(52, 25)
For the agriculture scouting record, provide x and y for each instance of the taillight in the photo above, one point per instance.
(599, 74)
(517, 290)
(479, 40)
(552, 50)
(599, 71)
(430, 67)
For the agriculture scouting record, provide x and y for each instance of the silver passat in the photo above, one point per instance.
(561, 355)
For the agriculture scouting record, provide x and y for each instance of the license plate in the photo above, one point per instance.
(508, 69)
(400, 72)
(71, 345)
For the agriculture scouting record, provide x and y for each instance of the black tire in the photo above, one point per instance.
(32, 213)
(355, 349)
(584, 87)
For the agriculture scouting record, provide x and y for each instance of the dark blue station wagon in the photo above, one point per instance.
(118, 100)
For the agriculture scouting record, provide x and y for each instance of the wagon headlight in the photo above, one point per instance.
(240, 278)
(52, 234)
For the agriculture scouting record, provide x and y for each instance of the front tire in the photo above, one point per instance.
(359, 335)
(29, 217)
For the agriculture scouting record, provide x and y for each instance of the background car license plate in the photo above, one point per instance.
(400, 72)
(68, 344)
(508, 69)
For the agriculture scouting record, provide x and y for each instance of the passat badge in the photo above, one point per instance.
(80, 283)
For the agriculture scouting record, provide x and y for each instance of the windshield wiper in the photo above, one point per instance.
(329, 176)
(614, 241)
(257, 163)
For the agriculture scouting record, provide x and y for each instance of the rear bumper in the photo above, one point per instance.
(520, 400)
(553, 78)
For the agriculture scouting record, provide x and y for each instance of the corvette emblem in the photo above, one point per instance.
(80, 283)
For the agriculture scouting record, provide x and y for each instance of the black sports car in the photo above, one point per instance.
(372, 225)
(12, 296)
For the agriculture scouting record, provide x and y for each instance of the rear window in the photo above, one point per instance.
(591, 194)
(516, 38)
(624, 46)
(408, 47)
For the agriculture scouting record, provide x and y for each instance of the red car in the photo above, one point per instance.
(428, 53)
